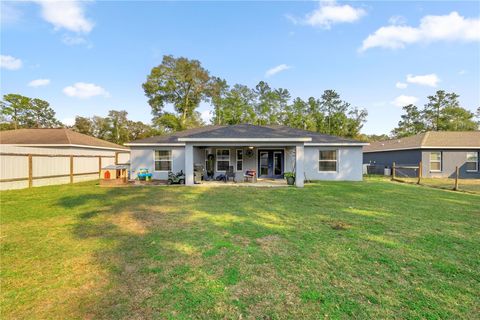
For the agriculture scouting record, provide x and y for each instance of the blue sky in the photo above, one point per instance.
(86, 58)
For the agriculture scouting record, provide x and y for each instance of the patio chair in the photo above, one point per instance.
(250, 176)
(230, 174)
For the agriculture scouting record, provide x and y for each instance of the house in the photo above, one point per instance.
(439, 151)
(270, 151)
(36, 157)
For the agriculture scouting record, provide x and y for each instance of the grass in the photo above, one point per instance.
(468, 185)
(372, 249)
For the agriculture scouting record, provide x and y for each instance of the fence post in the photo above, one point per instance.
(99, 166)
(71, 169)
(30, 171)
(456, 178)
(419, 172)
(393, 171)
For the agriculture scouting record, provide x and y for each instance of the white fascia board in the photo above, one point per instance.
(64, 145)
(155, 144)
(245, 139)
(339, 144)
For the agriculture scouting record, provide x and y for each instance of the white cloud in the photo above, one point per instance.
(451, 27)
(430, 80)
(329, 13)
(68, 121)
(401, 85)
(10, 63)
(404, 100)
(462, 72)
(68, 14)
(84, 90)
(396, 20)
(273, 71)
(39, 83)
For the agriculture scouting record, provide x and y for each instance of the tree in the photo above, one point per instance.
(411, 122)
(270, 103)
(40, 115)
(441, 113)
(181, 82)
(19, 111)
(84, 125)
(118, 124)
(433, 111)
(339, 117)
(236, 106)
(14, 107)
(218, 91)
(296, 115)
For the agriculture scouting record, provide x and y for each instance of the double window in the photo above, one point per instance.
(163, 160)
(239, 164)
(472, 161)
(436, 161)
(223, 159)
(327, 161)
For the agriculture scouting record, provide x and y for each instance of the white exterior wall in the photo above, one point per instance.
(349, 164)
(16, 166)
(143, 157)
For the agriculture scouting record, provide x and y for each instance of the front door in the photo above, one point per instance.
(270, 164)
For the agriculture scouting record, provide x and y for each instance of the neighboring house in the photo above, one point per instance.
(270, 150)
(439, 151)
(35, 157)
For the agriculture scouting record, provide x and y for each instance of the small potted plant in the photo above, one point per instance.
(290, 176)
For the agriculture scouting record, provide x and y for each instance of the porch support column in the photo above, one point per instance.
(299, 170)
(189, 164)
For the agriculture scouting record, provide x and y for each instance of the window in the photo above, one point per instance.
(472, 161)
(163, 160)
(327, 160)
(239, 160)
(436, 161)
(223, 159)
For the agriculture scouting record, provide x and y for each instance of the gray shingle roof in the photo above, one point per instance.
(245, 131)
(436, 139)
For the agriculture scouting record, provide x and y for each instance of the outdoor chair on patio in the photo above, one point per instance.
(250, 176)
(230, 174)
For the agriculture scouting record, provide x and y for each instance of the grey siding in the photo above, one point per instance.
(386, 158)
(349, 164)
(143, 157)
(450, 160)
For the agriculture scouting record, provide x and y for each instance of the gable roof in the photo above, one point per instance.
(54, 137)
(245, 132)
(429, 140)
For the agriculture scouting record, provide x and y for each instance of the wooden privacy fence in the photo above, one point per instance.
(20, 170)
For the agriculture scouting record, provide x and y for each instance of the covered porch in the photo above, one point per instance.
(245, 164)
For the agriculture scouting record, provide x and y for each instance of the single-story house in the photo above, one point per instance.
(36, 157)
(440, 152)
(270, 151)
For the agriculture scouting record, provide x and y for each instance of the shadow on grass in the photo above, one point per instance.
(220, 253)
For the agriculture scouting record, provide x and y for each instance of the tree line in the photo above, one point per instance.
(184, 84)
(442, 112)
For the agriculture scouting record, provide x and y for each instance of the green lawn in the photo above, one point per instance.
(372, 249)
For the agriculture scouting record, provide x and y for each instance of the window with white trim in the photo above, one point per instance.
(239, 163)
(472, 161)
(327, 160)
(436, 161)
(163, 160)
(223, 159)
